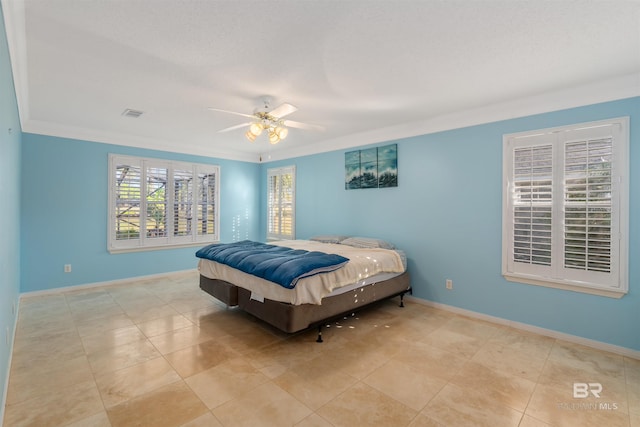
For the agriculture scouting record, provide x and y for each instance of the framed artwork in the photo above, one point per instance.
(371, 168)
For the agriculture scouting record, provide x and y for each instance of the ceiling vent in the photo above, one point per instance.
(132, 113)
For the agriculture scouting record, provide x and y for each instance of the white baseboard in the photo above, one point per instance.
(26, 295)
(622, 351)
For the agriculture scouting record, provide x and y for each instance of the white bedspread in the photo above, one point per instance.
(363, 263)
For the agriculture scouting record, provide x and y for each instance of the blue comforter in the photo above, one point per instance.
(284, 266)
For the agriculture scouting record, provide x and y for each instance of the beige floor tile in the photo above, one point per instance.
(362, 405)
(139, 315)
(98, 420)
(401, 382)
(159, 326)
(47, 379)
(314, 420)
(316, 381)
(431, 361)
(111, 338)
(180, 338)
(422, 420)
(587, 359)
(506, 359)
(458, 406)
(96, 326)
(200, 357)
(472, 327)
(454, 342)
(632, 370)
(415, 366)
(528, 421)
(172, 405)
(206, 420)
(226, 381)
(118, 386)
(66, 406)
(269, 406)
(556, 406)
(501, 388)
(122, 356)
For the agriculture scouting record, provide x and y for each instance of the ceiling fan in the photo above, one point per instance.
(270, 120)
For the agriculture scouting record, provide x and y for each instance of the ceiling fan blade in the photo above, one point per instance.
(234, 127)
(298, 125)
(232, 112)
(283, 110)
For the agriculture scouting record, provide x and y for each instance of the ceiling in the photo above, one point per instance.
(366, 71)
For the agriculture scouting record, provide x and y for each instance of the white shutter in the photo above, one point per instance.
(155, 222)
(281, 203)
(182, 202)
(532, 204)
(207, 204)
(565, 209)
(126, 184)
(155, 203)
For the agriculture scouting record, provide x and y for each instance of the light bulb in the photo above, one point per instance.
(273, 138)
(282, 132)
(251, 137)
(255, 129)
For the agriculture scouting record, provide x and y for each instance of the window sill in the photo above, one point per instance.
(610, 293)
(159, 248)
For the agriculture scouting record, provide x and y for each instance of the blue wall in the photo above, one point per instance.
(65, 205)
(446, 214)
(10, 212)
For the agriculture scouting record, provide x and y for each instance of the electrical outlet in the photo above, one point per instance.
(67, 268)
(449, 284)
(7, 337)
(13, 308)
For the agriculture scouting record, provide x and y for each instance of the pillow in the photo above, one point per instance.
(367, 242)
(328, 238)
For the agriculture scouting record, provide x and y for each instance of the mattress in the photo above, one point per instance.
(365, 266)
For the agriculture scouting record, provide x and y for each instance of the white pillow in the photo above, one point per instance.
(367, 242)
(328, 238)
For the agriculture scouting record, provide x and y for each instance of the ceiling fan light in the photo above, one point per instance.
(255, 129)
(250, 136)
(273, 138)
(282, 132)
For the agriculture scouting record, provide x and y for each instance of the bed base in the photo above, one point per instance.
(294, 318)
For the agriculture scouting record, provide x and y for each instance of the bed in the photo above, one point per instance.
(372, 270)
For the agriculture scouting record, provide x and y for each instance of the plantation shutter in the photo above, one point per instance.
(532, 210)
(207, 204)
(565, 207)
(281, 203)
(182, 202)
(127, 185)
(154, 203)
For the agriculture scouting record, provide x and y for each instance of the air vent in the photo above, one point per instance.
(132, 113)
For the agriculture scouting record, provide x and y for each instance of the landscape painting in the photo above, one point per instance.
(371, 168)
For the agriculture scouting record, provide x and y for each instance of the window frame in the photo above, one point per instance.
(170, 240)
(279, 172)
(613, 284)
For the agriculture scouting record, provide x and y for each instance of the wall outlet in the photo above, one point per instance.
(7, 337)
(67, 268)
(13, 309)
(449, 284)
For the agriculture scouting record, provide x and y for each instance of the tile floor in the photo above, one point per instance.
(163, 353)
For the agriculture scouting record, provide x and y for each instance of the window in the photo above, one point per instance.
(155, 203)
(565, 207)
(281, 194)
